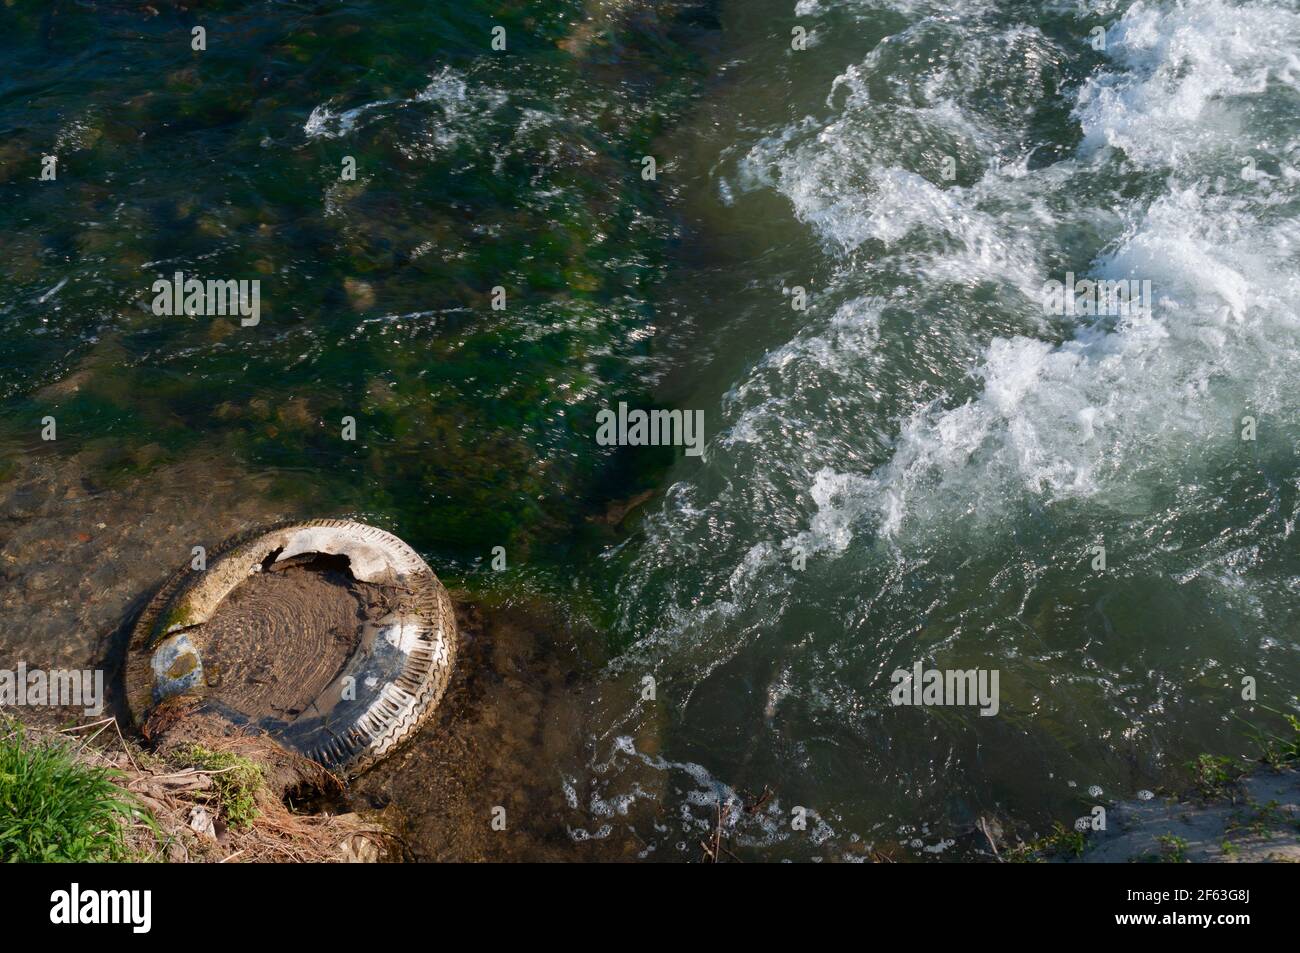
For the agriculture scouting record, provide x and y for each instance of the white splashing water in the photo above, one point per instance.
(1105, 414)
(459, 110)
(1102, 411)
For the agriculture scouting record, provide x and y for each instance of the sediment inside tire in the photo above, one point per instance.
(284, 634)
(329, 636)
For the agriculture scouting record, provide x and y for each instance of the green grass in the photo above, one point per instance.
(1212, 774)
(1282, 750)
(1173, 848)
(236, 778)
(55, 809)
(1061, 842)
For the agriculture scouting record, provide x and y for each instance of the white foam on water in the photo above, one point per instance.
(911, 8)
(870, 173)
(1105, 415)
(1116, 406)
(461, 107)
(1185, 78)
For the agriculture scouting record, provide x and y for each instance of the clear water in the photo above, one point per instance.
(943, 454)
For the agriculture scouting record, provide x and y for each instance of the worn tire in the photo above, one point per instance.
(397, 682)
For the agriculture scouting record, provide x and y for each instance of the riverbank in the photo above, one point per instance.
(236, 798)
(1233, 812)
(89, 793)
(79, 558)
(1253, 819)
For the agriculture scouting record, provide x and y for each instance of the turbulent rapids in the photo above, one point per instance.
(931, 465)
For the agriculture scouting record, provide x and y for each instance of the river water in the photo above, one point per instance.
(919, 465)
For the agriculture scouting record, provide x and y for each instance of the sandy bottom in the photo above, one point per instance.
(78, 558)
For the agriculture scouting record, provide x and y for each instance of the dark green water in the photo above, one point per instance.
(473, 171)
(942, 453)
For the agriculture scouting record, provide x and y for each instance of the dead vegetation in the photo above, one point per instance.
(209, 793)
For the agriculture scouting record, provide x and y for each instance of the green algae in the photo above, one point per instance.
(474, 426)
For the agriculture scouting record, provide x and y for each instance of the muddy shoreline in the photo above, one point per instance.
(78, 560)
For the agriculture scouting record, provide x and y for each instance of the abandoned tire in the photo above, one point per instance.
(332, 636)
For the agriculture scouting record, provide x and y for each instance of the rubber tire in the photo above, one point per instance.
(368, 738)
